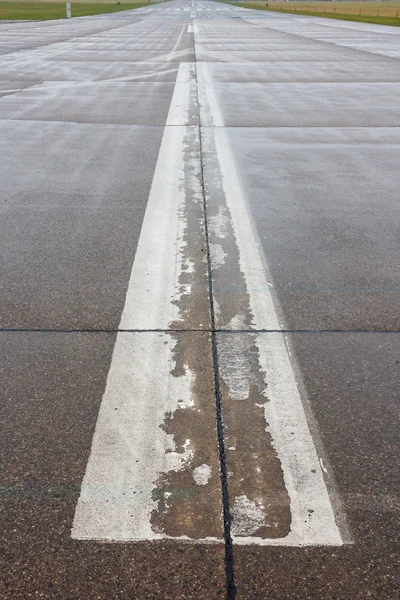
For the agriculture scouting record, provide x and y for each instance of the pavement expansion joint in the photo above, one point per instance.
(227, 515)
(195, 330)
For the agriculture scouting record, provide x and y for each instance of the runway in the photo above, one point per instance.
(199, 328)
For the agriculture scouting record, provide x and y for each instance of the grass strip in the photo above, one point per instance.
(39, 11)
(395, 21)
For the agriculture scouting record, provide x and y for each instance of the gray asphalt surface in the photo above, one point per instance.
(311, 111)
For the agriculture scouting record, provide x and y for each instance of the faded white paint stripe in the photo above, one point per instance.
(251, 264)
(154, 281)
(284, 412)
(313, 518)
(130, 448)
(210, 117)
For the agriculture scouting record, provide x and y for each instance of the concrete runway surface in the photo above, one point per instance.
(200, 343)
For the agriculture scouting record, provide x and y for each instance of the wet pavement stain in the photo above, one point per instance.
(189, 498)
(259, 501)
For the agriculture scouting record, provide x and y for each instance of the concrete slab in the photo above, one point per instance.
(118, 102)
(323, 202)
(37, 70)
(71, 220)
(51, 390)
(295, 71)
(341, 372)
(309, 104)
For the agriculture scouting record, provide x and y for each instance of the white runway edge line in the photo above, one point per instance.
(129, 448)
(284, 412)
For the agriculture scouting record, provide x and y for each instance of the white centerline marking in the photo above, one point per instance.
(132, 448)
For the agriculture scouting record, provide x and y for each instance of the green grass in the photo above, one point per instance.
(56, 10)
(361, 18)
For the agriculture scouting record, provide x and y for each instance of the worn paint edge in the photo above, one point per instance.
(141, 365)
(300, 462)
